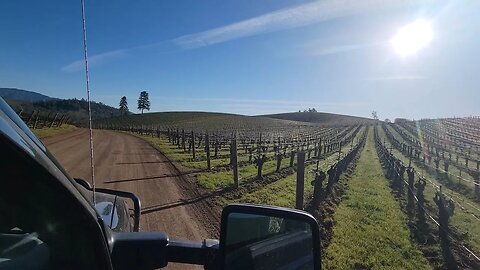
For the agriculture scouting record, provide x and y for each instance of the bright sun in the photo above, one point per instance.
(412, 37)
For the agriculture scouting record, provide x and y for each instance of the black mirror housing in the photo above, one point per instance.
(139, 250)
(258, 236)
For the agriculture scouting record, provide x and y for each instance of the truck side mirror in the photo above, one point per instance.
(266, 237)
(113, 207)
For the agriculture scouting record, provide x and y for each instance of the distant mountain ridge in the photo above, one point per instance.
(20, 94)
(77, 109)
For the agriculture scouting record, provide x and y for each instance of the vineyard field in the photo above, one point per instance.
(362, 179)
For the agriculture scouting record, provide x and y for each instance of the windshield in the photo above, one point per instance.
(372, 106)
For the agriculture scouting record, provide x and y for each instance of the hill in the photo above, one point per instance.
(77, 109)
(20, 94)
(199, 121)
(320, 118)
(202, 121)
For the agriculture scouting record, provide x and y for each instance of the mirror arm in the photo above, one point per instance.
(190, 252)
(145, 250)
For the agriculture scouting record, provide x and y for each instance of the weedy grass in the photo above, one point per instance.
(184, 158)
(212, 179)
(282, 192)
(54, 131)
(370, 229)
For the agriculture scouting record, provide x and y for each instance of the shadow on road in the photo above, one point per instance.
(142, 162)
(151, 177)
(181, 202)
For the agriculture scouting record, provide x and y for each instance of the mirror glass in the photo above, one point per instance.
(108, 213)
(265, 242)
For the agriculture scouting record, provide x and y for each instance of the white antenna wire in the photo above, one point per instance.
(88, 98)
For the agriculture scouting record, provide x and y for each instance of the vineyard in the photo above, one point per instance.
(398, 195)
(47, 124)
(42, 119)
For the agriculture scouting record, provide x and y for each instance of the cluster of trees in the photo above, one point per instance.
(309, 110)
(143, 103)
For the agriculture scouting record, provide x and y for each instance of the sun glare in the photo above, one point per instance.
(413, 37)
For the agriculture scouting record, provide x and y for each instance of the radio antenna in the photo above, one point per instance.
(87, 79)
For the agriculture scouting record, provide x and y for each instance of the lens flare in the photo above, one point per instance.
(413, 37)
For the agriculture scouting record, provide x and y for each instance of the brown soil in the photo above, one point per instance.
(171, 201)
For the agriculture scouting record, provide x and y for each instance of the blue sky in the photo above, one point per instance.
(248, 57)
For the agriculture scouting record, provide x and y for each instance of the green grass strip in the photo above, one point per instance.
(370, 230)
(54, 131)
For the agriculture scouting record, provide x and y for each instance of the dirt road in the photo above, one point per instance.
(127, 163)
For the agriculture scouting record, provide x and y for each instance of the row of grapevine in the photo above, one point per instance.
(39, 119)
(427, 155)
(428, 205)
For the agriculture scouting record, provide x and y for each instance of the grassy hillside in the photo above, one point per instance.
(199, 120)
(224, 121)
(320, 118)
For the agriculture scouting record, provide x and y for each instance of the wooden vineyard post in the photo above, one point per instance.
(60, 122)
(292, 157)
(177, 138)
(339, 150)
(279, 157)
(207, 150)
(53, 121)
(319, 153)
(216, 145)
(36, 120)
(477, 186)
(30, 118)
(193, 145)
(45, 121)
(233, 161)
(300, 180)
(200, 141)
(183, 141)
(410, 159)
